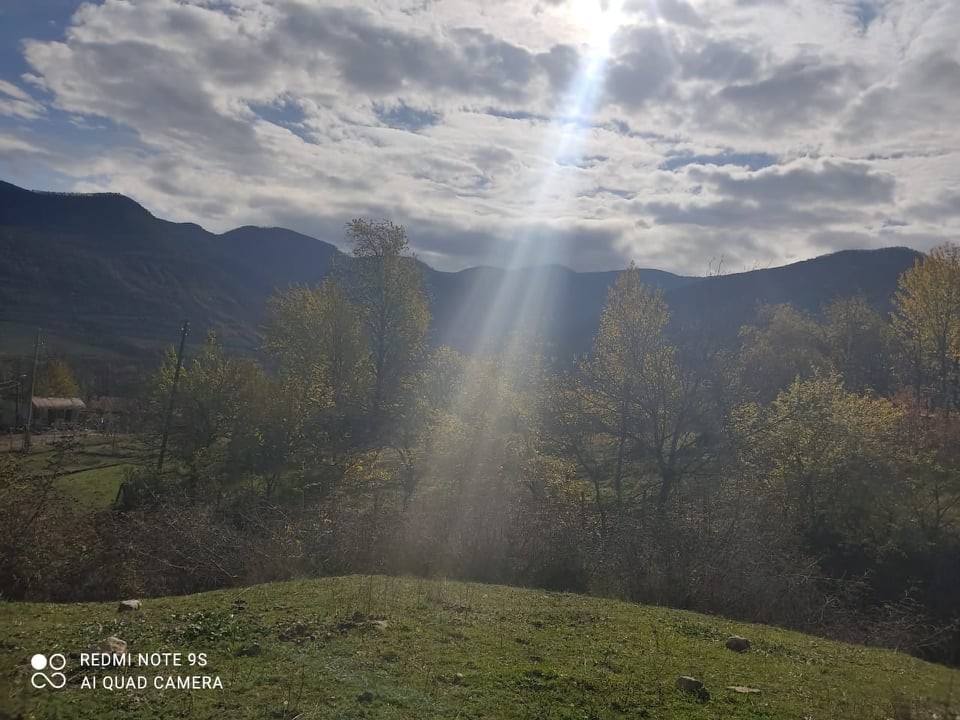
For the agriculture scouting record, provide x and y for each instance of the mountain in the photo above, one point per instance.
(563, 305)
(721, 305)
(102, 273)
(101, 268)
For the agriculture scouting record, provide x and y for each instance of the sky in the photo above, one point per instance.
(686, 135)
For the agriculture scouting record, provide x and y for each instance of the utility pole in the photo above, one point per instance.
(173, 394)
(33, 386)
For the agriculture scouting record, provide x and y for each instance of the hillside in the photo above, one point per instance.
(380, 647)
(103, 275)
(102, 269)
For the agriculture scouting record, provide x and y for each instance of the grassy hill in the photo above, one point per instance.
(379, 647)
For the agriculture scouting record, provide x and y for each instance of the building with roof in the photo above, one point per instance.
(57, 411)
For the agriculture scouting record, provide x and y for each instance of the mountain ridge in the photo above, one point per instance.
(102, 268)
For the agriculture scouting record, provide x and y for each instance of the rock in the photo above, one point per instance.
(692, 686)
(365, 697)
(743, 690)
(379, 624)
(113, 645)
(128, 605)
(737, 644)
(688, 684)
(249, 651)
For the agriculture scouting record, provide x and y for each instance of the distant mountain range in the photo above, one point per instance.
(101, 274)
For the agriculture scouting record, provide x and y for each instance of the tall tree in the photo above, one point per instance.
(786, 343)
(857, 344)
(639, 394)
(827, 458)
(926, 321)
(316, 338)
(386, 286)
(56, 379)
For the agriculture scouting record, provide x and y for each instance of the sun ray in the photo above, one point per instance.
(520, 302)
(571, 123)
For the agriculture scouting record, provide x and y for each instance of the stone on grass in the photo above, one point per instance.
(128, 605)
(743, 690)
(692, 686)
(737, 644)
(113, 645)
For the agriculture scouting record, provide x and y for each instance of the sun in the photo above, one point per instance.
(598, 20)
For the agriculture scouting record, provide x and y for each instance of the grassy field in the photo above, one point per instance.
(377, 647)
(90, 472)
(94, 489)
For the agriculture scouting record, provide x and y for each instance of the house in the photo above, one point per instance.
(110, 412)
(56, 412)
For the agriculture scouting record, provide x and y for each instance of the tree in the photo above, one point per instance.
(857, 344)
(824, 455)
(56, 379)
(926, 322)
(316, 338)
(212, 402)
(425, 414)
(636, 391)
(386, 286)
(785, 344)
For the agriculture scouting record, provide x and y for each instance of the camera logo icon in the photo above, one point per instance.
(56, 679)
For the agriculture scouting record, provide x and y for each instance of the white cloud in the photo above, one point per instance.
(448, 116)
(15, 102)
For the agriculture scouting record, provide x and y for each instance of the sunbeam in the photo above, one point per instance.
(519, 303)
(517, 306)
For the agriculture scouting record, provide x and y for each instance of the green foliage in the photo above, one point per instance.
(777, 480)
(317, 340)
(56, 379)
(387, 289)
(824, 457)
(216, 418)
(926, 322)
(785, 344)
(634, 395)
(858, 345)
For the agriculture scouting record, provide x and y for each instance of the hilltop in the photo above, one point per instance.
(382, 647)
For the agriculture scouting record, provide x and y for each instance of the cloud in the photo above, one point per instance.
(673, 11)
(751, 161)
(918, 99)
(15, 102)
(766, 129)
(738, 213)
(791, 94)
(945, 207)
(802, 182)
(722, 61)
(642, 71)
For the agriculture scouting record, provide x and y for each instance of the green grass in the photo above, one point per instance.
(91, 490)
(454, 650)
(91, 474)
